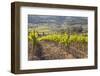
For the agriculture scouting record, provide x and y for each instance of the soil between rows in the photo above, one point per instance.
(49, 50)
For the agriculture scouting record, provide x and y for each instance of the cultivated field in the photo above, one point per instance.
(57, 37)
(43, 46)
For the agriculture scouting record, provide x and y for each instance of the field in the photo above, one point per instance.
(57, 46)
(50, 40)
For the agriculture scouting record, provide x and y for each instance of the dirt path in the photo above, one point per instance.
(48, 50)
(52, 50)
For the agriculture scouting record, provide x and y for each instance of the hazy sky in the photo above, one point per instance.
(35, 19)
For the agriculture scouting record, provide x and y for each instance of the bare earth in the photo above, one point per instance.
(48, 50)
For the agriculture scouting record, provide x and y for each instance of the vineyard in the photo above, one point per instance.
(57, 45)
(53, 37)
